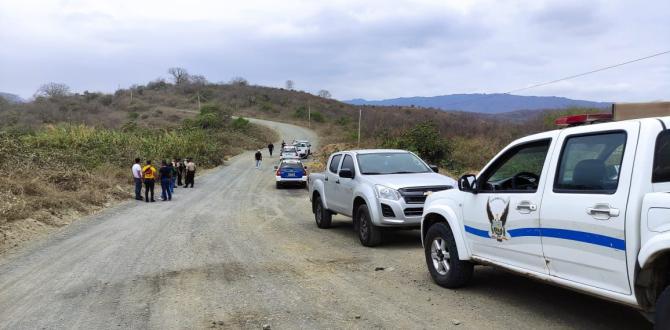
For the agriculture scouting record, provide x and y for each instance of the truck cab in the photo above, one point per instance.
(585, 207)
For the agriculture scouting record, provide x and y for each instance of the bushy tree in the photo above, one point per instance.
(179, 75)
(425, 140)
(52, 89)
(325, 94)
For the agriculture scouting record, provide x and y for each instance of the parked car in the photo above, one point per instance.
(289, 152)
(584, 207)
(290, 172)
(377, 188)
(303, 149)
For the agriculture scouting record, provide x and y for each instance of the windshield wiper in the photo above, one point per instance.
(370, 173)
(406, 172)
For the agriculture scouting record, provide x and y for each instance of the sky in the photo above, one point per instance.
(371, 49)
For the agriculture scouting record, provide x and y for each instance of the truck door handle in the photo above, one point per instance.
(602, 211)
(325, 179)
(337, 181)
(526, 207)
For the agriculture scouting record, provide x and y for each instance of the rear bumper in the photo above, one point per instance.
(291, 180)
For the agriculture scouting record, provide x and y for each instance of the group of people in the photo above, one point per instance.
(169, 174)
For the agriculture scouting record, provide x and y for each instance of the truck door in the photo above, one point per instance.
(584, 211)
(329, 185)
(345, 187)
(502, 219)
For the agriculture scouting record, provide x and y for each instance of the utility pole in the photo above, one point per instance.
(131, 95)
(309, 115)
(360, 113)
(199, 108)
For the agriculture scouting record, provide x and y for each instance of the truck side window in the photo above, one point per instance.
(348, 162)
(590, 163)
(334, 163)
(517, 170)
(661, 171)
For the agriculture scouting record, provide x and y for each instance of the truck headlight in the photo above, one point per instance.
(387, 193)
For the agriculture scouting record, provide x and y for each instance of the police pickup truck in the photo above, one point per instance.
(377, 188)
(585, 207)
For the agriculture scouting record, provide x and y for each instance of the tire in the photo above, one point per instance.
(278, 185)
(322, 216)
(369, 234)
(662, 315)
(440, 246)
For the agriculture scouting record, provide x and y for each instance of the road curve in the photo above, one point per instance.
(234, 252)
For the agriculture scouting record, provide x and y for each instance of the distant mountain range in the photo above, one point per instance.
(485, 103)
(13, 98)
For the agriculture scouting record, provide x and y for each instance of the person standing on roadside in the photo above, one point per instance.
(137, 177)
(190, 172)
(149, 177)
(173, 169)
(165, 175)
(270, 148)
(180, 171)
(259, 158)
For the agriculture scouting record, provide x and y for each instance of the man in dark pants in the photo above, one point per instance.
(180, 171)
(270, 148)
(190, 173)
(149, 176)
(165, 175)
(137, 177)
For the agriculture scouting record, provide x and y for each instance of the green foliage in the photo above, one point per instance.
(424, 139)
(133, 115)
(317, 117)
(300, 112)
(343, 121)
(211, 116)
(241, 124)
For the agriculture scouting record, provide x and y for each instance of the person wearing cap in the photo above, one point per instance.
(259, 158)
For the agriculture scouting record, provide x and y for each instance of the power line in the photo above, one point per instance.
(564, 78)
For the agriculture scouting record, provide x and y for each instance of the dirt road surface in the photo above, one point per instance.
(234, 252)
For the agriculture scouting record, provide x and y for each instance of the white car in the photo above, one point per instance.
(289, 152)
(585, 207)
(303, 149)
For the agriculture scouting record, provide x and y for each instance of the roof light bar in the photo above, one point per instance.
(576, 120)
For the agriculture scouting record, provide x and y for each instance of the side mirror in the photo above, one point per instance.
(468, 183)
(346, 173)
(434, 168)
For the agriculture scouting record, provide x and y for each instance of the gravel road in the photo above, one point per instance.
(234, 252)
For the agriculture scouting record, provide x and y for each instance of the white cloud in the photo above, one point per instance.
(370, 49)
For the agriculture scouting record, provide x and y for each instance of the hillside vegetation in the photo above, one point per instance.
(66, 153)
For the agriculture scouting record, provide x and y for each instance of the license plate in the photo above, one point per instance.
(291, 174)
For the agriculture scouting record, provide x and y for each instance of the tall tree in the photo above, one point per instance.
(53, 89)
(325, 94)
(179, 75)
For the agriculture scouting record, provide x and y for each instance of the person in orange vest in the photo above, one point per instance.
(149, 177)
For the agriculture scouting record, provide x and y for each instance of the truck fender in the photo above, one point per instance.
(317, 187)
(652, 248)
(374, 213)
(448, 214)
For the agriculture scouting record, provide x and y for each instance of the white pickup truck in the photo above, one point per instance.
(377, 188)
(585, 207)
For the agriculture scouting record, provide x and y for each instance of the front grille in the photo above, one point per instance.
(417, 195)
(413, 211)
(387, 211)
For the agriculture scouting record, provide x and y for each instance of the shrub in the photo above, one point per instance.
(241, 124)
(106, 100)
(317, 117)
(424, 139)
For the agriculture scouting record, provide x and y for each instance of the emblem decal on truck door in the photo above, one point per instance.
(497, 217)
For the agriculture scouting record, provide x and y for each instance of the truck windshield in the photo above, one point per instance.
(391, 163)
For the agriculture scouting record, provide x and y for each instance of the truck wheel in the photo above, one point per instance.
(442, 258)
(369, 234)
(662, 315)
(278, 185)
(322, 216)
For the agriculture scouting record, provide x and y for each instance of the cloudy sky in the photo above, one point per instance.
(369, 49)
